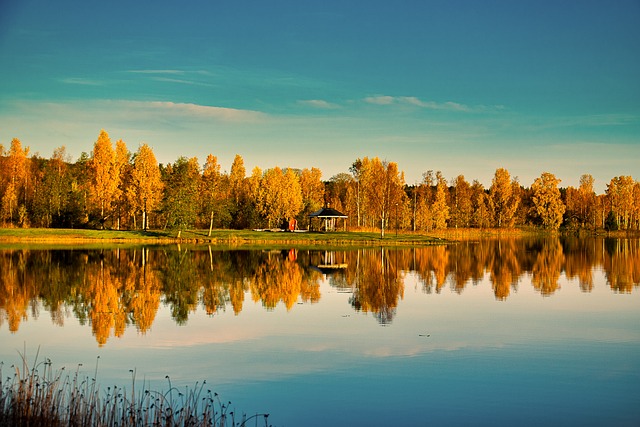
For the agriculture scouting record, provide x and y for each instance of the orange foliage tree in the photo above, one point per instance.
(104, 177)
(547, 202)
(502, 201)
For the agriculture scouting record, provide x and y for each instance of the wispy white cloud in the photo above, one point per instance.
(128, 111)
(181, 81)
(380, 100)
(319, 103)
(417, 102)
(187, 77)
(156, 71)
(196, 110)
(82, 81)
(448, 106)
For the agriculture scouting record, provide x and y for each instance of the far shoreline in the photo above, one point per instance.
(217, 238)
(274, 237)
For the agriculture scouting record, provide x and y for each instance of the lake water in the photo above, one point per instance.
(496, 332)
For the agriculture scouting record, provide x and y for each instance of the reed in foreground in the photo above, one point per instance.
(41, 396)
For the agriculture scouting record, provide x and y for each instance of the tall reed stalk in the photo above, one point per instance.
(38, 395)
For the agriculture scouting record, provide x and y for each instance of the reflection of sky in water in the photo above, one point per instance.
(447, 358)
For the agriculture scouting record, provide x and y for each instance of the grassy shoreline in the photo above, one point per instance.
(236, 238)
(218, 237)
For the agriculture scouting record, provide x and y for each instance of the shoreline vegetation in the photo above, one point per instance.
(113, 188)
(235, 238)
(38, 395)
(217, 237)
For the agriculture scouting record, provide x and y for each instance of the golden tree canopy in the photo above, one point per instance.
(547, 201)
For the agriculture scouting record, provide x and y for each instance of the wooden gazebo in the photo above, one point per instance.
(329, 215)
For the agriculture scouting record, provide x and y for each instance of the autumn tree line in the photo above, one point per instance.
(114, 188)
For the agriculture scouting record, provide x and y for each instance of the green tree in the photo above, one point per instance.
(241, 208)
(56, 188)
(181, 192)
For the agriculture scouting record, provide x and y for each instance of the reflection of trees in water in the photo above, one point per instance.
(118, 288)
(109, 289)
(547, 267)
(465, 264)
(583, 254)
(181, 283)
(17, 290)
(622, 265)
(431, 267)
(504, 268)
(276, 280)
(378, 284)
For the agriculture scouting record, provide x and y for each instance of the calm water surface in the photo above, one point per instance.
(495, 332)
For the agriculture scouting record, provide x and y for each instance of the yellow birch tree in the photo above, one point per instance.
(502, 203)
(292, 194)
(383, 189)
(122, 170)
(461, 207)
(587, 200)
(312, 189)
(104, 175)
(147, 183)
(280, 197)
(636, 206)
(237, 179)
(620, 194)
(217, 200)
(547, 202)
(481, 216)
(17, 163)
(440, 208)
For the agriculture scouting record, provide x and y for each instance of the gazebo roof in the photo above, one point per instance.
(327, 213)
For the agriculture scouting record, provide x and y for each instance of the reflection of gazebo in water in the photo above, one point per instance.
(330, 262)
(329, 215)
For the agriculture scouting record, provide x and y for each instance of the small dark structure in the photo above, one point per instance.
(330, 262)
(329, 215)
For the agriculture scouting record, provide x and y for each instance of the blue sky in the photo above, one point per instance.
(463, 87)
